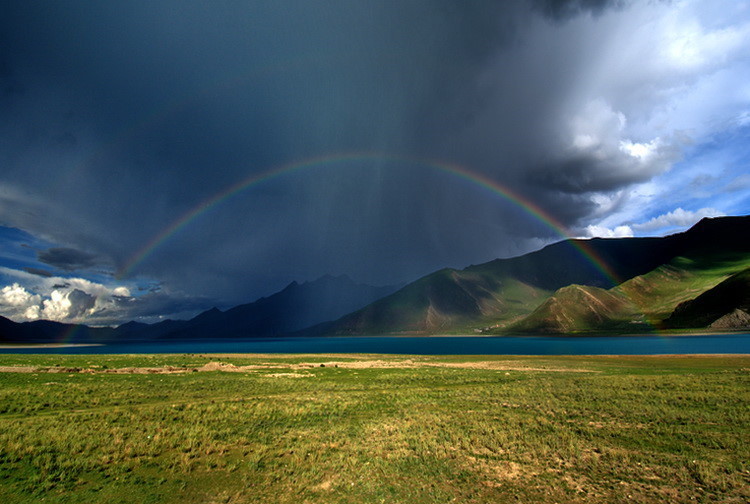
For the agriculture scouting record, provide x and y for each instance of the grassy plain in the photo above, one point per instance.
(374, 429)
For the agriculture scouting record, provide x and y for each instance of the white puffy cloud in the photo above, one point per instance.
(601, 155)
(595, 231)
(78, 300)
(690, 46)
(32, 312)
(677, 218)
(57, 306)
(656, 67)
(15, 295)
(57, 298)
(18, 303)
(121, 291)
(644, 152)
(612, 139)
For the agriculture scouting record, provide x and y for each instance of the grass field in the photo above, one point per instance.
(374, 429)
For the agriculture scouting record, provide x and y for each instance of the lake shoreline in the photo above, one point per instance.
(562, 337)
(690, 344)
(5, 346)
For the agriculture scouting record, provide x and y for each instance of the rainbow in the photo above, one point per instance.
(451, 169)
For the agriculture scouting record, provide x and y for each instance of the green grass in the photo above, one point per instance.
(529, 429)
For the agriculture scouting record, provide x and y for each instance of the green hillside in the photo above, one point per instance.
(658, 293)
(725, 306)
(578, 308)
(646, 301)
(446, 301)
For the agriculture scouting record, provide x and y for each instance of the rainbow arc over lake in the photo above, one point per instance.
(328, 160)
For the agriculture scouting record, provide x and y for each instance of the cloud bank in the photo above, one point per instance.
(77, 300)
(121, 119)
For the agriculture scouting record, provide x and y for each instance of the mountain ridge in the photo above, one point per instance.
(294, 307)
(559, 288)
(417, 308)
(308, 303)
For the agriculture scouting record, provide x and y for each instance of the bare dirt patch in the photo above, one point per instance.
(495, 472)
(410, 363)
(17, 369)
(355, 364)
(290, 375)
(360, 364)
(506, 366)
(326, 486)
(139, 370)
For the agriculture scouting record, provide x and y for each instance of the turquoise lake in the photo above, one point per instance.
(735, 343)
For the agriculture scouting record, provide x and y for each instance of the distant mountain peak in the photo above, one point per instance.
(290, 286)
(131, 325)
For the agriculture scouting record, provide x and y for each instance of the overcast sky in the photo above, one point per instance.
(119, 121)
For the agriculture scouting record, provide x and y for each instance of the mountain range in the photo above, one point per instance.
(293, 308)
(563, 287)
(695, 279)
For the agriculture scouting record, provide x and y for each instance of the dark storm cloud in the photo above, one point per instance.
(38, 272)
(80, 303)
(149, 308)
(118, 118)
(67, 259)
(564, 9)
(587, 173)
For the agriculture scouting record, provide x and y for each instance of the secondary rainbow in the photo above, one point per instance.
(350, 157)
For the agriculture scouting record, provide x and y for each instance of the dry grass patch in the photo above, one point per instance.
(376, 429)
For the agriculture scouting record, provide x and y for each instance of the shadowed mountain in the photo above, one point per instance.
(571, 261)
(495, 295)
(46, 331)
(725, 306)
(295, 307)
